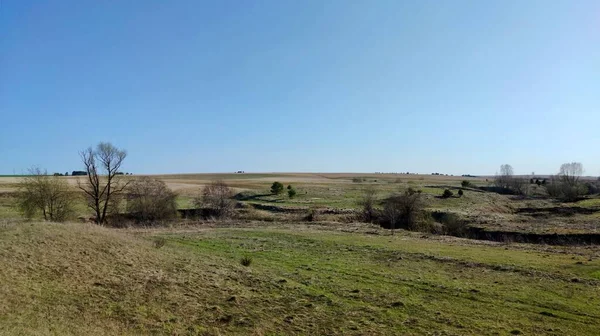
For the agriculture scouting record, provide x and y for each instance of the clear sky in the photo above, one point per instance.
(356, 86)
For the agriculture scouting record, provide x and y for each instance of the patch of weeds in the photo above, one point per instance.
(246, 261)
(159, 242)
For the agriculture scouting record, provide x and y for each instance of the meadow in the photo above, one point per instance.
(271, 272)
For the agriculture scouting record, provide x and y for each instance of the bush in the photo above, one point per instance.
(403, 211)
(452, 224)
(291, 192)
(367, 203)
(564, 191)
(51, 197)
(246, 261)
(217, 198)
(460, 193)
(151, 200)
(466, 184)
(276, 188)
(312, 216)
(159, 242)
(447, 193)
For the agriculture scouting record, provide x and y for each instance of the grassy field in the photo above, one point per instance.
(304, 279)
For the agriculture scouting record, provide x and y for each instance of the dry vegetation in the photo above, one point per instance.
(82, 279)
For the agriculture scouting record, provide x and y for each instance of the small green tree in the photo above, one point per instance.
(277, 188)
(447, 193)
(291, 192)
(466, 184)
(460, 193)
(289, 186)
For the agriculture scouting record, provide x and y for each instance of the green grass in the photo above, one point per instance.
(83, 279)
(589, 203)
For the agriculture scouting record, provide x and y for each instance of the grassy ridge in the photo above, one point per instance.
(84, 279)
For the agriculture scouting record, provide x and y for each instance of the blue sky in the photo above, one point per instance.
(324, 86)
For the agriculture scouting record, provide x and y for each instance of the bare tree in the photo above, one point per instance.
(566, 185)
(151, 200)
(571, 172)
(217, 197)
(506, 170)
(102, 185)
(50, 196)
(403, 210)
(505, 179)
(367, 203)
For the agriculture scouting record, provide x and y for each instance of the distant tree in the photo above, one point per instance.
(460, 192)
(543, 181)
(151, 200)
(538, 182)
(571, 172)
(66, 173)
(566, 185)
(217, 197)
(289, 186)
(49, 196)
(291, 192)
(276, 188)
(102, 186)
(531, 181)
(466, 184)
(504, 179)
(447, 193)
(506, 170)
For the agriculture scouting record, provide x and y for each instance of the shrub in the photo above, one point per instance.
(565, 191)
(246, 261)
(49, 196)
(447, 193)
(276, 188)
(412, 191)
(460, 192)
(312, 216)
(452, 224)
(289, 187)
(149, 199)
(367, 203)
(217, 197)
(159, 242)
(466, 184)
(291, 192)
(403, 211)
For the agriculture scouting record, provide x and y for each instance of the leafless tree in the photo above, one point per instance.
(48, 195)
(505, 178)
(566, 185)
(103, 184)
(367, 203)
(403, 210)
(150, 200)
(506, 170)
(571, 172)
(217, 197)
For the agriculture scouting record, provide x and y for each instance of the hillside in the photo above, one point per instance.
(304, 279)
